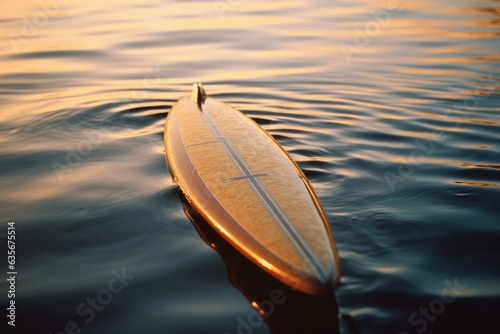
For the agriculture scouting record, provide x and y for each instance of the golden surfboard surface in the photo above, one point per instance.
(248, 188)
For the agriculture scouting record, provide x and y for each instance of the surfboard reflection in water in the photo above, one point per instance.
(284, 309)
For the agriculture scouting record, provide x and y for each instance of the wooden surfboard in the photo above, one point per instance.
(250, 190)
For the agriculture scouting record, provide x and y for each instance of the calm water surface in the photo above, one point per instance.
(391, 108)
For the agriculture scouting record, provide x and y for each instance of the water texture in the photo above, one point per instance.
(391, 108)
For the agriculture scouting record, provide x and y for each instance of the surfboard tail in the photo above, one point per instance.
(198, 94)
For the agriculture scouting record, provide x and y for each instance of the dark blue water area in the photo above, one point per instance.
(397, 133)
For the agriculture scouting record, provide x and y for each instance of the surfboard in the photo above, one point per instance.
(245, 185)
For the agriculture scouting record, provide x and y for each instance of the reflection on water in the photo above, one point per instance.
(391, 108)
(284, 309)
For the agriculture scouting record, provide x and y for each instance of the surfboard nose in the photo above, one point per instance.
(315, 273)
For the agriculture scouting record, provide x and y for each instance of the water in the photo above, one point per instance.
(390, 108)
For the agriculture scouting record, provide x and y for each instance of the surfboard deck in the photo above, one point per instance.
(244, 184)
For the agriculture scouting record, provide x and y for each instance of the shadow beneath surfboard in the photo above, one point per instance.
(284, 309)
